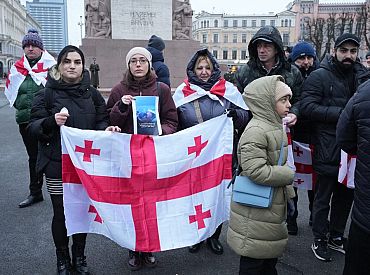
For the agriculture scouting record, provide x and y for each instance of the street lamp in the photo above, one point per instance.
(81, 23)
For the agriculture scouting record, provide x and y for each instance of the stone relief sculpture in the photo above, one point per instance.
(182, 20)
(97, 18)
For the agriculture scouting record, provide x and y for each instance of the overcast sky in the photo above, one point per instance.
(76, 9)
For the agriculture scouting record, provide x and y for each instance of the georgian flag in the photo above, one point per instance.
(148, 193)
(188, 92)
(21, 69)
(300, 160)
(347, 169)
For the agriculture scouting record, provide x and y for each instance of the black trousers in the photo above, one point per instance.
(31, 145)
(341, 201)
(59, 230)
(357, 252)
(250, 266)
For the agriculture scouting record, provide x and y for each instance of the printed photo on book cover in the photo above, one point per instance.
(146, 115)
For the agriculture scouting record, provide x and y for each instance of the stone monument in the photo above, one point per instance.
(113, 27)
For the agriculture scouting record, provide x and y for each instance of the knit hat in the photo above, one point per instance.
(138, 50)
(32, 38)
(347, 37)
(157, 43)
(302, 49)
(282, 90)
(68, 49)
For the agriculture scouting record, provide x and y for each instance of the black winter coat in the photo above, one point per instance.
(86, 108)
(353, 136)
(325, 93)
(254, 68)
(161, 69)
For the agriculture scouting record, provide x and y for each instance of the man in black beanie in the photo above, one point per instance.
(155, 47)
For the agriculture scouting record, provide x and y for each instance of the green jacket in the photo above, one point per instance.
(255, 232)
(26, 93)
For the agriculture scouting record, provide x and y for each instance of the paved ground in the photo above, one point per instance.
(26, 245)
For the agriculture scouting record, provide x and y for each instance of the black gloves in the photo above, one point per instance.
(231, 113)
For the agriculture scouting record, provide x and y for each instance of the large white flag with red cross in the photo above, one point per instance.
(347, 169)
(148, 193)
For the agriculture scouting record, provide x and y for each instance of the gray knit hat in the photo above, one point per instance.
(32, 38)
(139, 50)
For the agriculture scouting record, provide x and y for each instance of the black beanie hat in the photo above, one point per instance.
(32, 38)
(68, 49)
(157, 43)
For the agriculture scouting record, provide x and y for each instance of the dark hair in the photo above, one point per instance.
(68, 49)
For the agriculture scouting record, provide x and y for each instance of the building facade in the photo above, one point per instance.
(228, 36)
(14, 23)
(52, 15)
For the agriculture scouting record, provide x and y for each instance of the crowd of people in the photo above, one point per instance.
(323, 103)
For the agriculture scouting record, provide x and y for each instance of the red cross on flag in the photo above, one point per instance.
(304, 176)
(148, 193)
(347, 169)
(21, 69)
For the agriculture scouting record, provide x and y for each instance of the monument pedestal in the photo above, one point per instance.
(111, 54)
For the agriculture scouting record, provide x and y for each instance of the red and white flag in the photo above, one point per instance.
(148, 193)
(188, 92)
(21, 69)
(347, 169)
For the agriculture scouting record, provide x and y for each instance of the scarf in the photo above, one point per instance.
(188, 92)
(21, 69)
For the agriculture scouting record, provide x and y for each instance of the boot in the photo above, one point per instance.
(79, 260)
(64, 266)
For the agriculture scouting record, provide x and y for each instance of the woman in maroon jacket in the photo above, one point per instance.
(140, 80)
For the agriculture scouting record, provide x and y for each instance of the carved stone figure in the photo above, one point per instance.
(97, 18)
(94, 69)
(182, 20)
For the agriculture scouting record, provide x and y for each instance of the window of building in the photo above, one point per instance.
(226, 38)
(204, 38)
(234, 54)
(235, 23)
(286, 38)
(215, 53)
(243, 55)
(235, 38)
(286, 23)
(226, 23)
(254, 23)
(282, 22)
(224, 54)
(263, 23)
(244, 23)
(201, 24)
(215, 38)
(244, 38)
(272, 23)
(290, 22)
(207, 24)
(216, 23)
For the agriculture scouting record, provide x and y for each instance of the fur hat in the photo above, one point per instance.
(157, 43)
(32, 38)
(68, 49)
(302, 49)
(138, 50)
(282, 90)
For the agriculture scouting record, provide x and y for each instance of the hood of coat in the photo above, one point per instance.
(270, 33)
(78, 88)
(156, 54)
(216, 74)
(259, 96)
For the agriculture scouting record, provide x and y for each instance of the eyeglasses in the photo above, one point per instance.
(142, 61)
